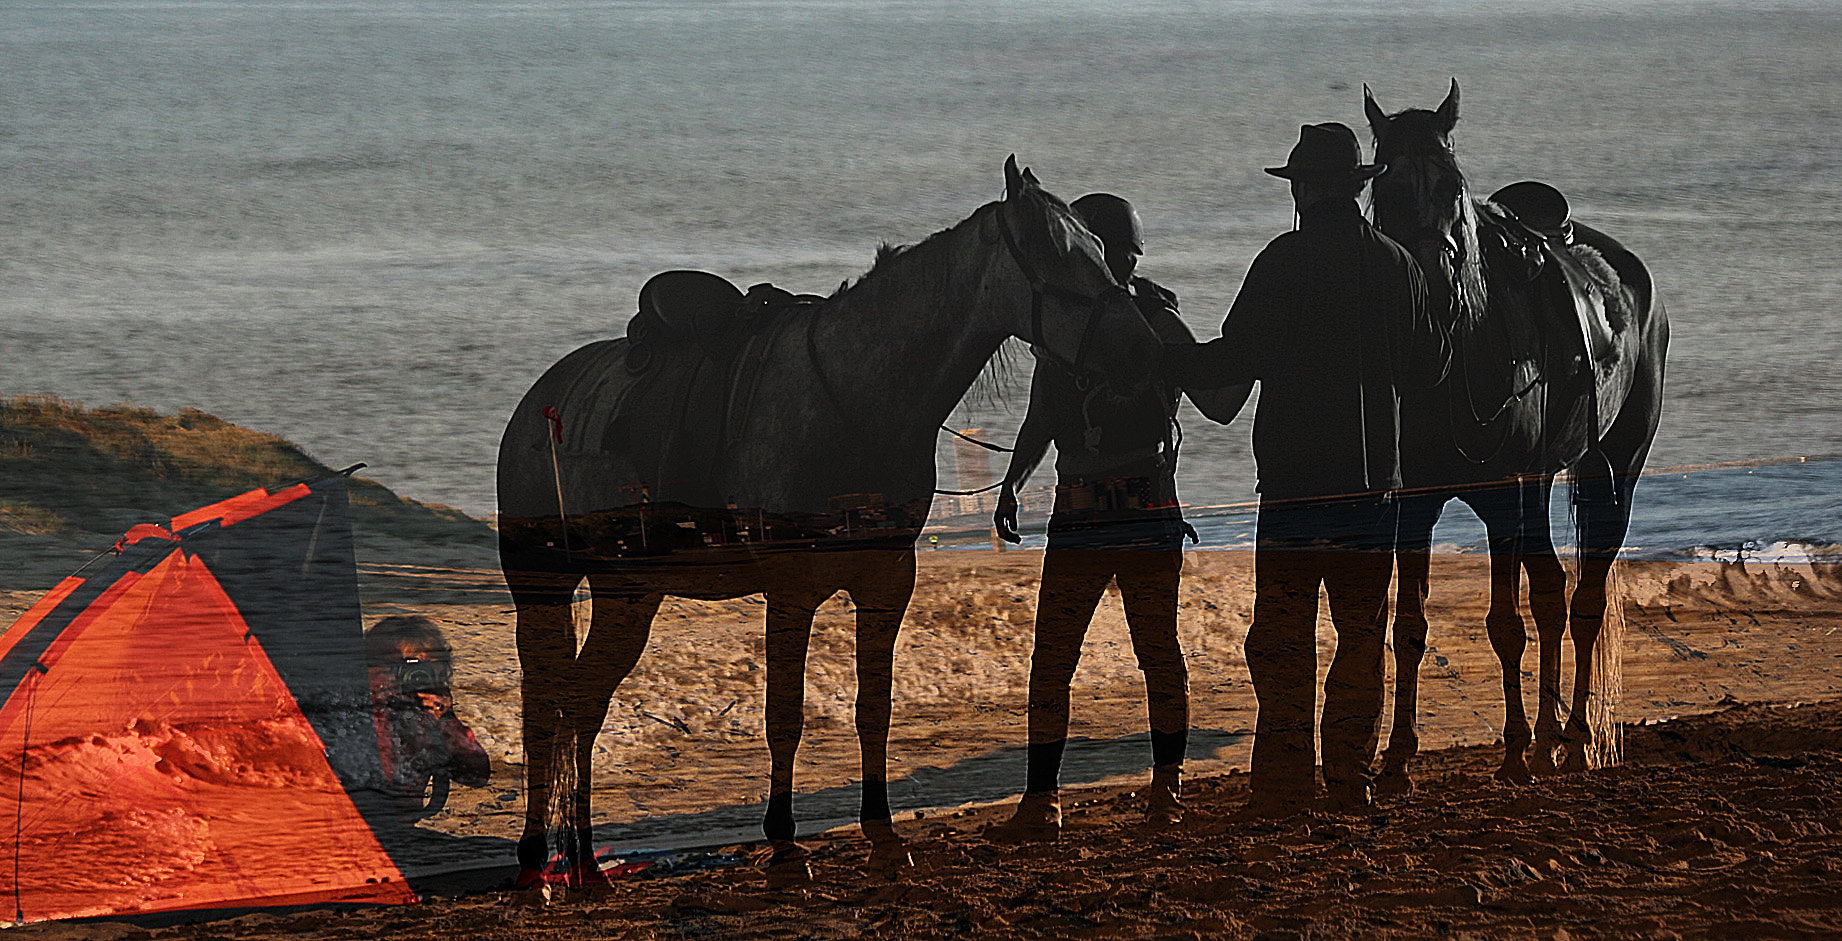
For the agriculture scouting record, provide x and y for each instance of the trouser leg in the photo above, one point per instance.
(1357, 580)
(1071, 586)
(1282, 661)
(1148, 582)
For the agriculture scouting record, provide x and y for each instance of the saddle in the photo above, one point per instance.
(1530, 222)
(1535, 225)
(698, 342)
(701, 310)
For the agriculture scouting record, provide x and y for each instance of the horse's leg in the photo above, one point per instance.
(1499, 508)
(1548, 604)
(621, 623)
(881, 598)
(1603, 516)
(789, 631)
(546, 641)
(1413, 554)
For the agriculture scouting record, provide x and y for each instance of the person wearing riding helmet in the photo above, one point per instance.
(1333, 321)
(1115, 519)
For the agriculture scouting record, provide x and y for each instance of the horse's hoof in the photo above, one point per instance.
(890, 857)
(1574, 759)
(1348, 798)
(1163, 818)
(1542, 761)
(1514, 773)
(534, 890)
(790, 866)
(591, 886)
(1393, 784)
(1163, 805)
(789, 874)
(536, 896)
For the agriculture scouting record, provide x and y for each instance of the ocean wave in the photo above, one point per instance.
(1782, 552)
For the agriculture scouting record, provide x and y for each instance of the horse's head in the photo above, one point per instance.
(1078, 314)
(1421, 201)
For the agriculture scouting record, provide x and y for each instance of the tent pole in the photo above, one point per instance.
(19, 807)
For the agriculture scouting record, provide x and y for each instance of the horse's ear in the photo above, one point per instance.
(1378, 119)
(1029, 178)
(1448, 111)
(1013, 181)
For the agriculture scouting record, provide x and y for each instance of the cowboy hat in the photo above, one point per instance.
(1327, 152)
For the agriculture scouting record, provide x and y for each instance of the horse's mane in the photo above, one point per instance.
(884, 252)
(998, 377)
(1471, 269)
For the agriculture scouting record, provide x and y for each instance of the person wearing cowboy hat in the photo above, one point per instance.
(1332, 321)
(1115, 520)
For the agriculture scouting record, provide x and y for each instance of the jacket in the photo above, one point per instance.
(1332, 320)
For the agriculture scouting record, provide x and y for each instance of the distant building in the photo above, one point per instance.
(972, 470)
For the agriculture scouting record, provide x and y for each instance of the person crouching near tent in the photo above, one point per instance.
(423, 744)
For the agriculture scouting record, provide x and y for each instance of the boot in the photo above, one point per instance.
(1038, 819)
(1164, 798)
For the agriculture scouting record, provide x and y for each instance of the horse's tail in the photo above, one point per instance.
(562, 828)
(1593, 500)
(1606, 693)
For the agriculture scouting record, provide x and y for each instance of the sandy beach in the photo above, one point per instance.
(1721, 821)
(684, 734)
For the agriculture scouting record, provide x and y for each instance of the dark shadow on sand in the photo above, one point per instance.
(994, 776)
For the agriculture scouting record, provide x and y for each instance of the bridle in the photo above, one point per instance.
(1040, 287)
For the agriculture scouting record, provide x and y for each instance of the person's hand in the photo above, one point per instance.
(435, 704)
(1004, 518)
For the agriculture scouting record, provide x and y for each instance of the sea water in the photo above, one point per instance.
(367, 226)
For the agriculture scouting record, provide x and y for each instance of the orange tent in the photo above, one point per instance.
(188, 726)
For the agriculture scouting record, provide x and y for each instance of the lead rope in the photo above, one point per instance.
(983, 444)
(19, 808)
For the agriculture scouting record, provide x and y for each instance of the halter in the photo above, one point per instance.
(1039, 287)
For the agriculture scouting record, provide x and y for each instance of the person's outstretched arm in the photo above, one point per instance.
(1032, 444)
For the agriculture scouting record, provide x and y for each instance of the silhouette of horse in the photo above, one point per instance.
(1559, 343)
(783, 447)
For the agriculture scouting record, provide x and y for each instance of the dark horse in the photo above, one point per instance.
(796, 459)
(1559, 343)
